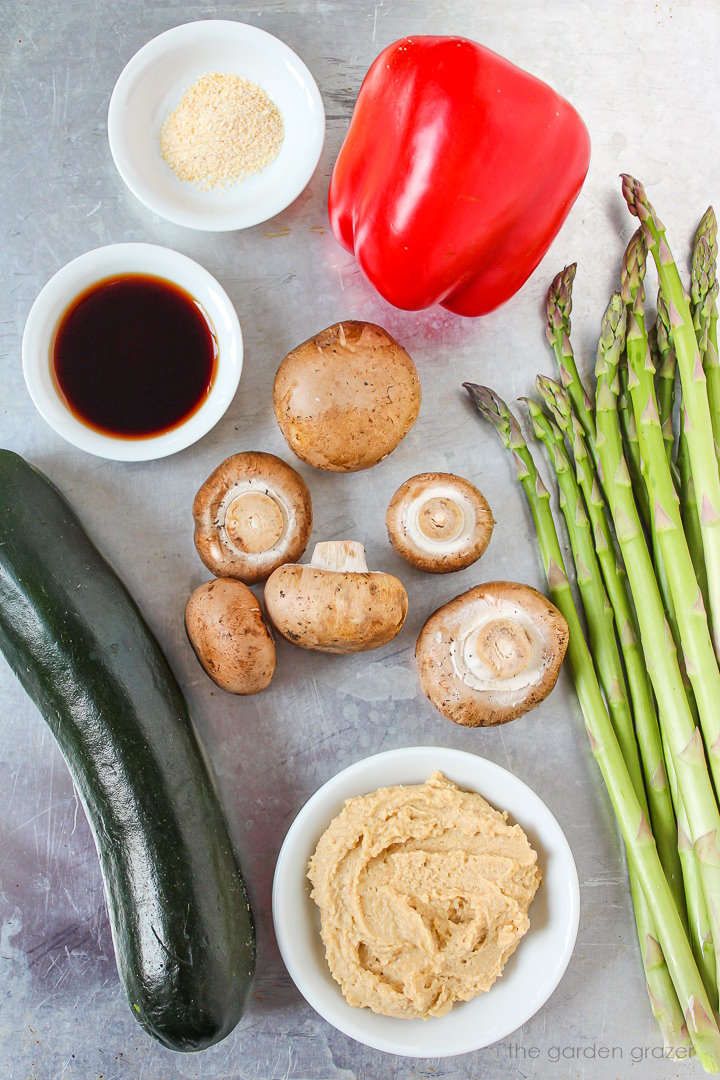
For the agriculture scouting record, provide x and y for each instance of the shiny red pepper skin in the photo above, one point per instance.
(456, 173)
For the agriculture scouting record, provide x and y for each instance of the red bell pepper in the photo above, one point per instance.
(456, 173)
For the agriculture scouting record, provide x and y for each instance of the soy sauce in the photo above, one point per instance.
(134, 355)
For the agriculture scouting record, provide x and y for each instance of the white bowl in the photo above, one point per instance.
(105, 262)
(531, 974)
(150, 87)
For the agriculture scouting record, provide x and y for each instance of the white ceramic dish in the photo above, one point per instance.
(150, 87)
(102, 263)
(531, 974)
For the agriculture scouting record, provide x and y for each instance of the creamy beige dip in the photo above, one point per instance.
(423, 893)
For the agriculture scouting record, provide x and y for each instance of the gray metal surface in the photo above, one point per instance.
(642, 78)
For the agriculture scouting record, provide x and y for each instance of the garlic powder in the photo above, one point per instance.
(224, 129)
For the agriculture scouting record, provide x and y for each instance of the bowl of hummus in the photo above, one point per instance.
(426, 902)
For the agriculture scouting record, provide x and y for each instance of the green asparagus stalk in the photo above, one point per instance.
(631, 447)
(697, 645)
(643, 387)
(672, 840)
(701, 938)
(705, 312)
(626, 417)
(683, 737)
(606, 656)
(558, 326)
(704, 291)
(682, 477)
(598, 610)
(632, 276)
(698, 423)
(663, 358)
(689, 512)
(639, 842)
(662, 815)
(559, 309)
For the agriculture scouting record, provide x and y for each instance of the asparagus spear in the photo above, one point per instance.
(697, 645)
(662, 815)
(701, 938)
(631, 447)
(672, 839)
(690, 514)
(683, 737)
(705, 312)
(558, 312)
(682, 477)
(598, 610)
(642, 853)
(639, 488)
(559, 309)
(642, 391)
(604, 648)
(698, 424)
(626, 417)
(663, 357)
(704, 290)
(632, 277)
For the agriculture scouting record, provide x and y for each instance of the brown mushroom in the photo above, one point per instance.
(334, 603)
(491, 654)
(226, 628)
(345, 398)
(253, 513)
(439, 522)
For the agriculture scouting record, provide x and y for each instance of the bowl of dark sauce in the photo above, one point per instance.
(132, 352)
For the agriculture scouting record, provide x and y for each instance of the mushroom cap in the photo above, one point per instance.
(253, 513)
(345, 398)
(324, 607)
(439, 522)
(227, 630)
(491, 654)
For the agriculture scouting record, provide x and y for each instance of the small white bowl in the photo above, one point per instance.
(149, 89)
(531, 974)
(78, 275)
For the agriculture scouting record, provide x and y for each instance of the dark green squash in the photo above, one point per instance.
(179, 912)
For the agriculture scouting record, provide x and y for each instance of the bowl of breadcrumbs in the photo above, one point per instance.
(216, 125)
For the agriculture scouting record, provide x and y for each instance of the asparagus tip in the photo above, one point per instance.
(633, 268)
(559, 303)
(708, 230)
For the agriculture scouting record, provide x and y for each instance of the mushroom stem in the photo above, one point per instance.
(505, 647)
(345, 556)
(254, 522)
(440, 519)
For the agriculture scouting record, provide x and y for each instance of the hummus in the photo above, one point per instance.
(423, 894)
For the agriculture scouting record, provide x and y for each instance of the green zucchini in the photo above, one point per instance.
(181, 921)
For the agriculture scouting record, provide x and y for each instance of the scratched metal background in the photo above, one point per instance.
(644, 78)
